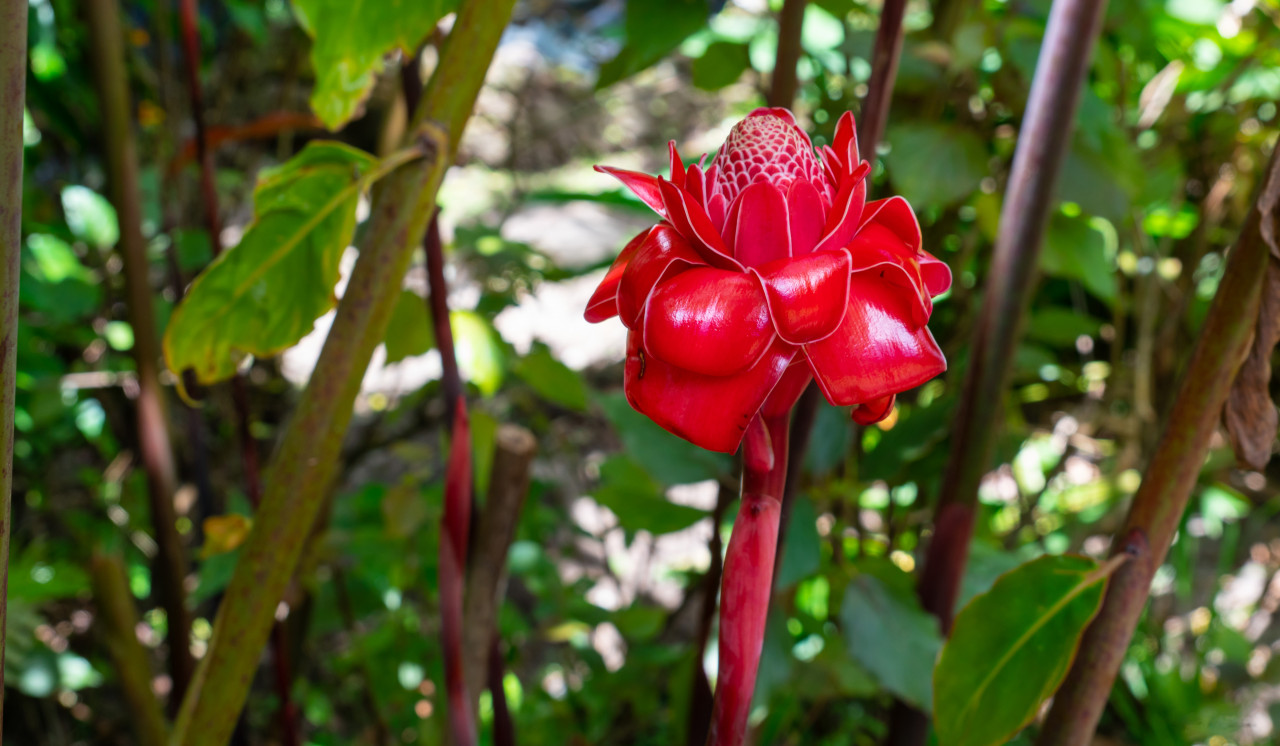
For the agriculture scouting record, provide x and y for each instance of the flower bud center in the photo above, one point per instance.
(766, 148)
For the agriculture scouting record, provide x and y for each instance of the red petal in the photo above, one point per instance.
(708, 411)
(643, 185)
(846, 212)
(876, 248)
(788, 390)
(873, 411)
(663, 251)
(877, 350)
(708, 321)
(895, 213)
(677, 165)
(780, 112)
(806, 217)
(936, 273)
(604, 301)
(716, 208)
(807, 296)
(845, 143)
(695, 184)
(691, 220)
(760, 226)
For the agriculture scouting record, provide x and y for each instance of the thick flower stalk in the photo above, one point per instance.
(768, 268)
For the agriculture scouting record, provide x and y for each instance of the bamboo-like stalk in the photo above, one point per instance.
(118, 621)
(13, 81)
(1172, 472)
(1042, 145)
(305, 464)
(283, 678)
(106, 50)
(782, 87)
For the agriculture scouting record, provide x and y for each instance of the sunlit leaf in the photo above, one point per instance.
(349, 41)
(265, 294)
(90, 216)
(409, 332)
(1011, 647)
(224, 533)
(481, 359)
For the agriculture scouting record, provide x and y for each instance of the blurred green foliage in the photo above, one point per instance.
(600, 624)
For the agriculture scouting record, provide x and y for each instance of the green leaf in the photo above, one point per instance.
(891, 636)
(409, 332)
(1011, 647)
(481, 359)
(1061, 326)
(720, 65)
(933, 164)
(90, 216)
(350, 38)
(55, 260)
(639, 501)
(553, 380)
(653, 28)
(665, 456)
(265, 294)
(1074, 250)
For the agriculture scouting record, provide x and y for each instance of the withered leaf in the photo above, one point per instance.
(1250, 414)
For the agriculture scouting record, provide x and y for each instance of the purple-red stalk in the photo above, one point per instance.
(188, 16)
(455, 525)
(748, 577)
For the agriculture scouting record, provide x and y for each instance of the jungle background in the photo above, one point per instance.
(604, 624)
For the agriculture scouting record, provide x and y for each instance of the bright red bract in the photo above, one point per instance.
(769, 266)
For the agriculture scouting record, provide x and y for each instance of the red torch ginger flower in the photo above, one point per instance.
(770, 267)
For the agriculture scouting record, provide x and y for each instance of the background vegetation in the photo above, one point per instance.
(605, 623)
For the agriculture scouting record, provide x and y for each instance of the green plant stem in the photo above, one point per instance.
(1042, 145)
(1172, 472)
(13, 81)
(283, 678)
(308, 455)
(118, 621)
(106, 49)
(782, 87)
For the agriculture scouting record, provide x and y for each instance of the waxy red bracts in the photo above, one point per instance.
(769, 267)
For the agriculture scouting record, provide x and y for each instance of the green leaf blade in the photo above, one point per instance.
(1011, 647)
(264, 295)
(891, 636)
(350, 39)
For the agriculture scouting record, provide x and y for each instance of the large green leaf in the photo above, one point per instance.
(265, 294)
(653, 29)
(891, 636)
(349, 40)
(639, 501)
(934, 164)
(720, 65)
(1011, 647)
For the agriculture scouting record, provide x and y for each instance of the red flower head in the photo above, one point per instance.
(770, 267)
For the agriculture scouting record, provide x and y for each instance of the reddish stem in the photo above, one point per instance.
(748, 581)
(451, 379)
(455, 525)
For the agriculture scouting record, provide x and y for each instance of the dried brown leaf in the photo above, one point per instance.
(1250, 414)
